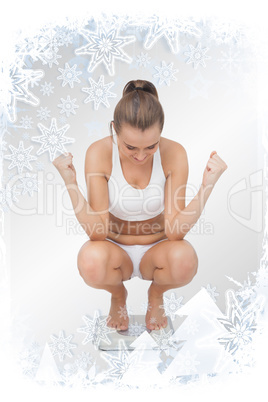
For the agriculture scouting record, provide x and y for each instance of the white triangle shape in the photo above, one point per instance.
(47, 370)
(144, 341)
(202, 301)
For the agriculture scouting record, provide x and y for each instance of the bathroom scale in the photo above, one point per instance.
(136, 329)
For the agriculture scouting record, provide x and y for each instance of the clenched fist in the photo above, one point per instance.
(214, 169)
(66, 168)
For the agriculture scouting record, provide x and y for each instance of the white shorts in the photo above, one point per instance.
(136, 252)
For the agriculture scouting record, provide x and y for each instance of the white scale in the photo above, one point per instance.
(128, 336)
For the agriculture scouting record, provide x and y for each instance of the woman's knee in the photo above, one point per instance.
(183, 263)
(92, 261)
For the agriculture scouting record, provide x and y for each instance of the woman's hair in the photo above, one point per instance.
(139, 107)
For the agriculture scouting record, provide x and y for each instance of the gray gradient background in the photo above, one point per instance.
(48, 295)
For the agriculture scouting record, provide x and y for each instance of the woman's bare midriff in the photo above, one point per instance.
(137, 232)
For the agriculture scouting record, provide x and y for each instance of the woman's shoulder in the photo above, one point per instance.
(170, 150)
(102, 150)
(169, 145)
(103, 144)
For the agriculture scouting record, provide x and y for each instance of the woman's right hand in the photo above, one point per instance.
(214, 169)
(65, 167)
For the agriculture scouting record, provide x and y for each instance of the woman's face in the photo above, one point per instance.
(138, 146)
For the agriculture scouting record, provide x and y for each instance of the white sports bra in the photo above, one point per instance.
(132, 204)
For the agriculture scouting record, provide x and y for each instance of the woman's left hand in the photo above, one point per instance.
(214, 169)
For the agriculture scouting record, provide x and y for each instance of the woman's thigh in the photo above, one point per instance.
(107, 254)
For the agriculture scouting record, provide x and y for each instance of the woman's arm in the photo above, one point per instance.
(178, 218)
(88, 218)
(91, 220)
(184, 220)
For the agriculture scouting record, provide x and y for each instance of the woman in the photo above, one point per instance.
(135, 216)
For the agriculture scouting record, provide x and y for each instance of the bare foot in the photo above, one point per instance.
(155, 317)
(118, 317)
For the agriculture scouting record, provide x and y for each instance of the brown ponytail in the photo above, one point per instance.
(139, 107)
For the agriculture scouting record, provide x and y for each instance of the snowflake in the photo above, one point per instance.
(62, 119)
(61, 346)
(114, 22)
(163, 341)
(8, 196)
(123, 362)
(165, 73)
(68, 106)
(197, 55)
(43, 113)
(186, 362)
(49, 36)
(3, 125)
(262, 276)
(75, 25)
(29, 184)
(29, 360)
(240, 324)
(34, 348)
(3, 147)
(26, 122)
(34, 79)
(98, 92)
(105, 47)
(123, 312)
(171, 305)
(42, 47)
(96, 330)
(153, 320)
(136, 329)
(212, 292)
(39, 165)
(245, 357)
(247, 291)
(69, 75)
(169, 29)
(14, 84)
(198, 86)
(52, 139)
(191, 326)
(63, 37)
(143, 59)
(20, 157)
(77, 378)
(230, 60)
(146, 306)
(47, 88)
(8, 176)
(26, 136)
(68, 374)
(32, 47)
(83, 360)
(69, 370)
(50, 56)
(226, 32)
